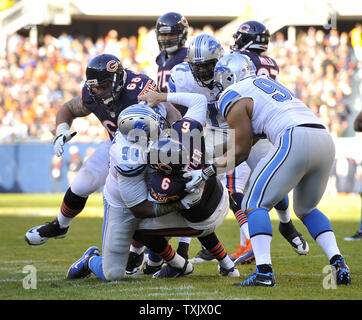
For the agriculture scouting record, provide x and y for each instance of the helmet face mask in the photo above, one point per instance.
(105, 79)
(203, 53)
(233, 68)
(251, 35)
(204, 71)
(175, 26)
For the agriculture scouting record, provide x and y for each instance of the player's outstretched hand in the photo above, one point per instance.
(153, 98)
(61, 139)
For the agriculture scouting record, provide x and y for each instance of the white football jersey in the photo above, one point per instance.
(126, 182)
(275, 107)
(182, 80)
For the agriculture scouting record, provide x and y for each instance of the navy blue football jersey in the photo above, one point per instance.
(166, 188)
(264, 65)
(136, 84)
(190, 136)
(165, 64)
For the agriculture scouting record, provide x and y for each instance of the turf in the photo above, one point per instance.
(298, 277)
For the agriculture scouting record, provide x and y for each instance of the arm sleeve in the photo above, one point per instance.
(196, 103)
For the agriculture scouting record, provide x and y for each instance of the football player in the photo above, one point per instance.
(126, 203)
(262, 107)
(196, 75)
(171, 34)
(252, 39)
(108, 89)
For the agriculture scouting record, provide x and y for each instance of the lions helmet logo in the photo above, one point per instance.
(112, 66)
(213, 46)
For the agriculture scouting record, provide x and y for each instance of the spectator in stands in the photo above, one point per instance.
(358, 234)
(319, 67)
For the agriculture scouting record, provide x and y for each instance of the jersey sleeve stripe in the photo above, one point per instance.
(130, 173)
(225, 102)
(150, 85)
(171, 84)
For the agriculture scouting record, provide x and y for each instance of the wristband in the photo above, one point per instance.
(209, 171)
(61, 127)
(359, 126)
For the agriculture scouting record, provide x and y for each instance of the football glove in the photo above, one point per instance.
(197, 177)
(192, 199)
(63, 136)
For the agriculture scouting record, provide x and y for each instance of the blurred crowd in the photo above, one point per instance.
(321, 67)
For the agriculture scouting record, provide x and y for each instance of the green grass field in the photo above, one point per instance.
(298, 277)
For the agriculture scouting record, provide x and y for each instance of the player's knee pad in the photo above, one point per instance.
(259, 222)
(113, 273)
(317, 223)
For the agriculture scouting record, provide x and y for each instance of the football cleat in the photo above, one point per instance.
(151, 269)
(173, 272)
(239, 252)
(258, 279)
(356, 236)
(134, 263)
(246, 258)
(80, 268)
(246, 253)
(341, 272)
(40, 234)
(203, 256)
(296, 240)
(233, 272)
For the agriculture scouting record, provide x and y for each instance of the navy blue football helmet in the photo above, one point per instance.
(168, 156)
(251, 35)
(105, 72)
(171, 23)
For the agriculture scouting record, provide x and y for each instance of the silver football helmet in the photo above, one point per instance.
(139, 122)
(203, 53)
(232, 68)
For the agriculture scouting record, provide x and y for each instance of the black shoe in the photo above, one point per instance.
(182, 250)
(341, 272)
(151, 269)
(356, 236)
(203, 256)
(40, 234)
(134, 263)
(296, 240)
(172, 272)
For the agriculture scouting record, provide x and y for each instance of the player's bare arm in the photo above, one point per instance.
(173, 114)
(358, 123)
(149, 209)
(64, 119)
(70, 110)
(153, 98)
(239, 119)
